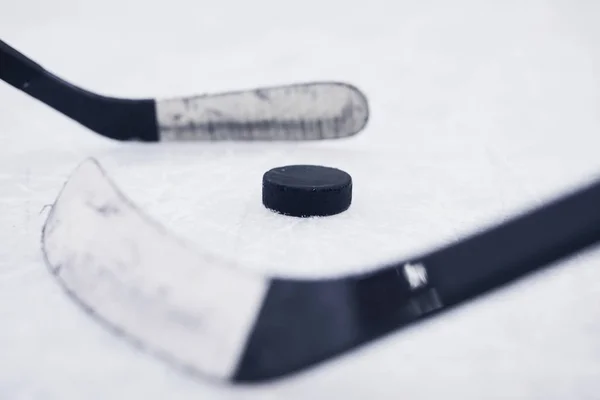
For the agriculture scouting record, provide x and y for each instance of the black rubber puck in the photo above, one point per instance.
(307, 190)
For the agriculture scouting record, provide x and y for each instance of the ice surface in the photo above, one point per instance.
(479, 109)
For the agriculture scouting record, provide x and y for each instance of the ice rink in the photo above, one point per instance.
(479, 110)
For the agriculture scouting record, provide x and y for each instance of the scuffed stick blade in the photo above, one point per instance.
(143, 283)
(305, 111)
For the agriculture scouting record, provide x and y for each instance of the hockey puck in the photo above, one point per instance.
(307, 190)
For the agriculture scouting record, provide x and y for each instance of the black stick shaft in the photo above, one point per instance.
(517, 247)
(305, 322)
(115, 118)
(17, 69)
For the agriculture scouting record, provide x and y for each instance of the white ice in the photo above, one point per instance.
(480, 109)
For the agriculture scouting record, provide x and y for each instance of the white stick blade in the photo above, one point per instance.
(147, 285)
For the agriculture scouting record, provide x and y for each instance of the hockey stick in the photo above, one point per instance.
(215, 320)
(304, 111)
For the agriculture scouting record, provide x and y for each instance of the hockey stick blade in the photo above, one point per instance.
(303, 111)
(215, 320)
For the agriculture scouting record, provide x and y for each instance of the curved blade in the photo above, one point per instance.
(143, 283)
